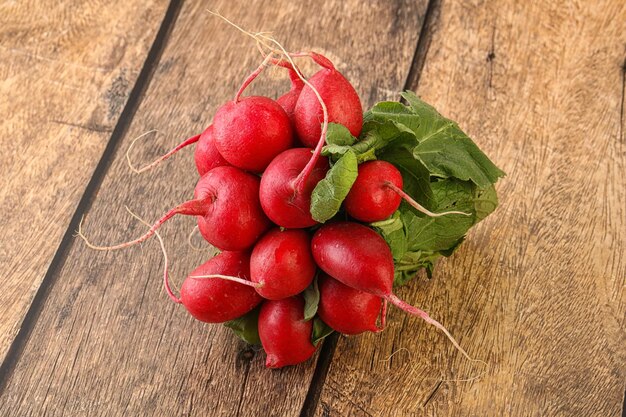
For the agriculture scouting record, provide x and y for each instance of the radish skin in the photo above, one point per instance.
(347, 310)
(282, 263)
(370, 199)
(286, 201)
(359, 258)
(218, 301)
(284, 334)
(341, 100)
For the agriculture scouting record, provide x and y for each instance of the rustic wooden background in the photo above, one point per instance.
(537, 291)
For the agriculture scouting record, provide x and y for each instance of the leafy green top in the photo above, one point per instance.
(442, 169)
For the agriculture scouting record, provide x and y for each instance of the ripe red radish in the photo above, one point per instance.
(217, 301)
(285, 195)
(369, 199)
(347, 310)
(377, 193)
(284, 334)
(231, 217)
(341, 100)
(282, 263)
(358, 257)
(251, 131)
(227, 207)
(206, 155)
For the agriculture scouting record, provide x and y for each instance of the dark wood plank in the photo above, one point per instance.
(108, 340)
(66, 70)
(537, 290)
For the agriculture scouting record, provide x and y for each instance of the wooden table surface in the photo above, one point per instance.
(537, 290)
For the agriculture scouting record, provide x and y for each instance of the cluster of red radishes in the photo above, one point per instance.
(259, 162)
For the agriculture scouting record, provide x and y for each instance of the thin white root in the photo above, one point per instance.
(166, 283)
(190, 241)
(396, 352)
(418, 206)
(130, 148)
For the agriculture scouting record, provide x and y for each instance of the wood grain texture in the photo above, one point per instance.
(108, 341)
(538, 289)
(66, 69)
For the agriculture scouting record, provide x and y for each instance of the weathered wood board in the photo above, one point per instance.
(538, 289)
(107, 340)
(66, 70)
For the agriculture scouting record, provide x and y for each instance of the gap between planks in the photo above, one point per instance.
(430, 18)
(134, 99)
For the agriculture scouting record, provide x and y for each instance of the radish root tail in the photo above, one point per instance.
(230, 278)
(166, 281)
(393, 299)
(252, 76)
(192, 207)
(417, 205)
(263, 39)
(383, 316)
(157, 161)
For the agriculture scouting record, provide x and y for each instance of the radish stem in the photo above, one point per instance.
(393, 299)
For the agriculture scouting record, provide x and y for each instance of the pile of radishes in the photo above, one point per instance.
(311, 214)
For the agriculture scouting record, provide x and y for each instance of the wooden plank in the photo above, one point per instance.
(108, 340)
(66, 70)
(537, 290)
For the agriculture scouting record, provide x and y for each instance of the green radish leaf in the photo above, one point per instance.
(440, 233)
(338, 134)
(404, 117)
(392, 230)
(320, 331)
(407, 267)
(311, 300)
(330, 192)
(246, 327)
(485, 202)
(456, 156)
(446, 150)
(339, 140)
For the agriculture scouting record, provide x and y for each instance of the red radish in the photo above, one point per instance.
(377, 193)
(358, 257)
(341, 100)
(370, 199)
(232, 217)
(285, 197)
(217, 301)
(347, 310)
(284, 334)
(227, 206)
(206, 154)
(282, 263)
(249, 132)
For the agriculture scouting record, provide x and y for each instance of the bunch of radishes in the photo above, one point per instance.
(282, 277)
